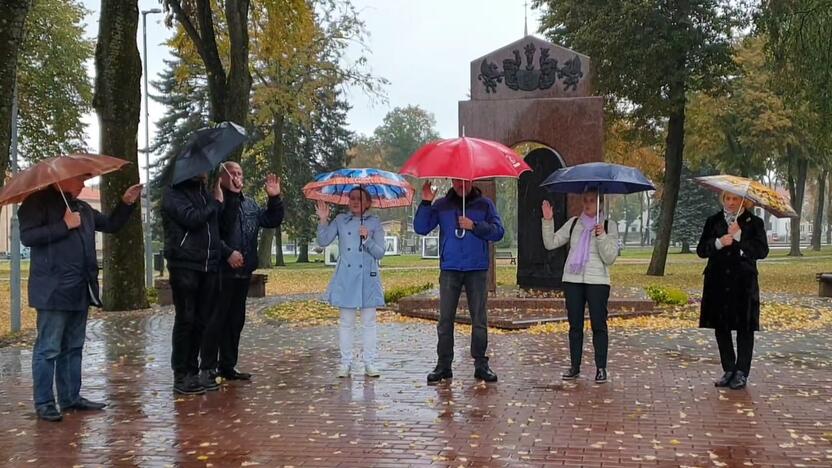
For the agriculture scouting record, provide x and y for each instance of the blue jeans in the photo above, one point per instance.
(57, 356)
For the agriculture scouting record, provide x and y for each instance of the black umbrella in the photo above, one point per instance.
(207, 148)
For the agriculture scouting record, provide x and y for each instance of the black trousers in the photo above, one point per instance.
(193, 298)
(450, 288)
(578, 295)
(222, 334)
(741, 360)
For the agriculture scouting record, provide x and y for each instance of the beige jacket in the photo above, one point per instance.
(603, 250)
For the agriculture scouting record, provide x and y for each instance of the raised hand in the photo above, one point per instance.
(272, 185)
(132, 194)
(599, 229)
(548, 211)
(322, 210)
(363, 232)
(428, 193)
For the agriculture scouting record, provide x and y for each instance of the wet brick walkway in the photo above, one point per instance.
(660, 409)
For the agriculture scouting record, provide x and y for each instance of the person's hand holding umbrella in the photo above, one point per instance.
(218, 192)
(72, 219)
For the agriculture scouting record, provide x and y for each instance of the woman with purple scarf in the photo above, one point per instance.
(591, 250)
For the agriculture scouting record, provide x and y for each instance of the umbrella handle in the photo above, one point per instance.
(458, 232)
(63, 196)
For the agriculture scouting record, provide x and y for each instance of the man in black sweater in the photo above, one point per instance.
(240, 222)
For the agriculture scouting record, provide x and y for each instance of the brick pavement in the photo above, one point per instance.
(660, 409)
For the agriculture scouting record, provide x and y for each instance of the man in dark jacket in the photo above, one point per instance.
(63, 283)
(240, 222)
(193, 250)
(464, 260)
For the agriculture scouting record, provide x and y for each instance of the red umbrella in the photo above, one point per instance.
(54, 171)
(464, 158)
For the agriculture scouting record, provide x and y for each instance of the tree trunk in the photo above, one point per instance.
(278, 245)
(685, 247)
(303, 251)
(626, 220)
(675, 142)
(276, 163)
(228, 91)
(797, 185)
(829, 214)
(641, 217)
(12, 24)
(817, 225)
(264, 248)
(117, 102)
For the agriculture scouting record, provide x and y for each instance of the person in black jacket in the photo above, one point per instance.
(732, 241)
(63, 283)
(193, 250)
(240, 222)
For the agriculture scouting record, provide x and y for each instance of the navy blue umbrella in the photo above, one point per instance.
(207, 148)
(601, 177)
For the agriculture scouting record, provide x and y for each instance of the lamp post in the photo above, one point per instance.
(14, 238)
(148, 247)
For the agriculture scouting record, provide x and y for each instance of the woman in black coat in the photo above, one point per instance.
(732, 244)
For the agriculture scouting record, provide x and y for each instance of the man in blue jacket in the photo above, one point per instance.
(464, 260)
(240, 221)
(63, 283)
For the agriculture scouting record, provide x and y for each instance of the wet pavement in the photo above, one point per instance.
(659, 409)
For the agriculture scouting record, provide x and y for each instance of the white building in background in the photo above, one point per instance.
(89, 195)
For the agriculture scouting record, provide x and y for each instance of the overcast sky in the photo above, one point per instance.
(424, 48)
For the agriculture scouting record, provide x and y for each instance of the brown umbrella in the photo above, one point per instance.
(54, 171)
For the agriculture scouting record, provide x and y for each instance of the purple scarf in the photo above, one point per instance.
(580, 256)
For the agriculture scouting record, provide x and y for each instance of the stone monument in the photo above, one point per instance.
(533, 91)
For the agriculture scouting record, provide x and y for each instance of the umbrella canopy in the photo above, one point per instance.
(602, 177)
(387, 189)
(207, 148)
(762, 196)
(54, 171)
(464, 158)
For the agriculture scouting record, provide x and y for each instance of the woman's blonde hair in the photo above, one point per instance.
(747, 204)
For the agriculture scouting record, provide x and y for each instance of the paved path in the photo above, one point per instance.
(660, 409)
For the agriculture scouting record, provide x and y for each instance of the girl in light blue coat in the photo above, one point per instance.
(356, 285)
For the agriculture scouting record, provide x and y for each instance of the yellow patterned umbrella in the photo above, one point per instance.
(762, 196)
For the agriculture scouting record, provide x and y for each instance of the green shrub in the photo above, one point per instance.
(394, 294)
(667, 295)
(152, 296)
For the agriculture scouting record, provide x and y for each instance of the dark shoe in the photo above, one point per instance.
(738, 381)
(438, 374)
(234, 375)
(571, 374)
(208, 379)
(601, 375)
(49, 413)
(725, 380)
(188, 385)
(484, 373)
(85, 405)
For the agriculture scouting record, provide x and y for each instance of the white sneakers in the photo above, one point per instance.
(370, 370)
(344, 371)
